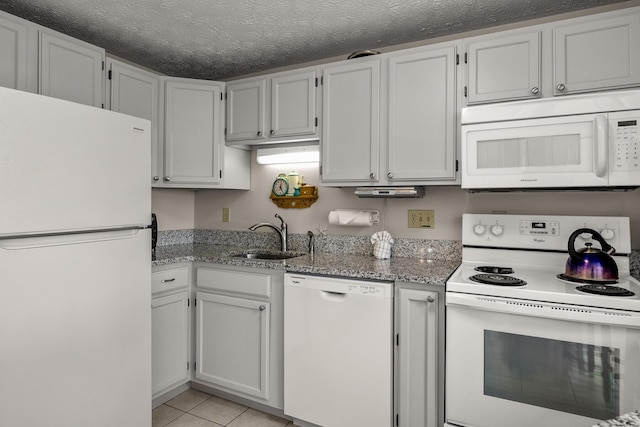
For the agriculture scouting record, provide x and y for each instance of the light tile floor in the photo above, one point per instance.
(194, 408)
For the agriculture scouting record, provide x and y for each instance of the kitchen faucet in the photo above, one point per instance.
(282, 231)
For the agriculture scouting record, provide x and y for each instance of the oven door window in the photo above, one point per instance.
(508, 369)
(567, 376)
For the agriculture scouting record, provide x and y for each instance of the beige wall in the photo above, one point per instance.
(184, 209)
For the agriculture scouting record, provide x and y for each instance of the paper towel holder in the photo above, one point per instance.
(375, 214)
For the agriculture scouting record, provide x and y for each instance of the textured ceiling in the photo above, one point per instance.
(220, 39)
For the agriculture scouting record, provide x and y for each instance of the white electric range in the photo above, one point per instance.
(530, 348)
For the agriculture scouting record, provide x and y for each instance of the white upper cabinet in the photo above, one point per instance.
(192, 132)
(13, 53)
(597, 54)
(246, 102)
(350, 117)
(422, 115)
(277, 107)
(135, 92)
(503, 68)
(71, 69)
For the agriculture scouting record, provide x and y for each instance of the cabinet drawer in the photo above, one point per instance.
(234, 281)
(167, 280)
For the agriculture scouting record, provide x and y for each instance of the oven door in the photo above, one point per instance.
(526, 363)
(536, 153)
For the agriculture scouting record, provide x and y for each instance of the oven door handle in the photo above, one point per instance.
(548, 310)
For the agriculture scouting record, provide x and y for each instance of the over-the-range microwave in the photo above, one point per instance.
(575, 142)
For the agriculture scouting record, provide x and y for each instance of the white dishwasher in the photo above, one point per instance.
(338, 348)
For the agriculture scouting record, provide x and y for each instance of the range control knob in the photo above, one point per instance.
(497, 230)
(479, 229)
(607, 233)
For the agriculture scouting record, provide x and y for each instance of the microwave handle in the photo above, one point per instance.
(600, 145)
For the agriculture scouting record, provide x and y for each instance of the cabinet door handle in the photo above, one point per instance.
(259, 133)
(167, 178)
(156, 178)
(389, 175)
(262, 308)
(430, 299)
(372, 175)
(535, 90)
(168, 280)
(273, 132)
(560, 87)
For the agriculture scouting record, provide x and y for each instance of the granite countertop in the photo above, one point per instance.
(630, 419)
(415, 270)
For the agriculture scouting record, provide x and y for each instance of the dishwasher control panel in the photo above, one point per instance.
(336, 286)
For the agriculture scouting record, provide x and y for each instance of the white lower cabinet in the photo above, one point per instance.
(239, 332)
(170, 308)
(419, 356)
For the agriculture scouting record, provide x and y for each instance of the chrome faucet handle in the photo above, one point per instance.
(311, 241)
(283, 225)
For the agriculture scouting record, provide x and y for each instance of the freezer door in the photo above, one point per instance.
(75, 328)
(69, 167)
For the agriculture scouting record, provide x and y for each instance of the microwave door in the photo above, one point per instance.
(541, 153)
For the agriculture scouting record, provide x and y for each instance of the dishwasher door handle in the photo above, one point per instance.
(334, 295)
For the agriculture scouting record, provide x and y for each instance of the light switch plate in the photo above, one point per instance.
(421, 218)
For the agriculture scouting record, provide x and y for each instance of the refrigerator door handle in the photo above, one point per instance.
(41, 241)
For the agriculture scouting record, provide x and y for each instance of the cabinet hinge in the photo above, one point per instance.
(195, 304)
(187, 366)
(109, 75)
(320, 170)
(221, 97)
(226, 96)
(465, 91)
(397, 419)
(457, 164)
(321, 80)
(316, 82)
(457, 59)
(316, 122)
(225, 131)
(397, 339)
(220, 173)
(465, 57)
(188, 302)
(102, 65)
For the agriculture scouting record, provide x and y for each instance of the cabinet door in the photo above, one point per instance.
(192, 133)
(351, 111)
(422, 114)
(71, 70)
(170, 342)
(417, 365)
(232, 343)
(135, 92)
(293, 104)
(597, 55)
(13, 54)
(504, 69)
(246, 102)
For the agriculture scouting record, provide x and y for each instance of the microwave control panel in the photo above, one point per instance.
(627, 145)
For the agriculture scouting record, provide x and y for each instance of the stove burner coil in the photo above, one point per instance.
(494, 270)
(567, 278)
(497, 279)
(613, 291)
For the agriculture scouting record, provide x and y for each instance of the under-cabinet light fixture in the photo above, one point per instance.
(298, 154)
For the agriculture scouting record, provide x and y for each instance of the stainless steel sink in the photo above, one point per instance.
(266, 255)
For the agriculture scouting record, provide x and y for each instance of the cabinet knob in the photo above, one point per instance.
(535, 90)
(430, 299)
(560, 87)
(262, 308)
(273, 132)
(156, 178)
(259, 133)
(372, 175)
(389, 175)
(167, 178)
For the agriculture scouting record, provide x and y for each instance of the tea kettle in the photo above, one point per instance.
(589, 263)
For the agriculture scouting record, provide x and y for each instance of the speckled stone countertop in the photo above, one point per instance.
(630, 419)
(405, 269)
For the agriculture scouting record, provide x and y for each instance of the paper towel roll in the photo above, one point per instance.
(353, 217)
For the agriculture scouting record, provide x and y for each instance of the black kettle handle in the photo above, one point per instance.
(572, 248)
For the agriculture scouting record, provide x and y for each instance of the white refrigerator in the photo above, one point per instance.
(75, 265)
